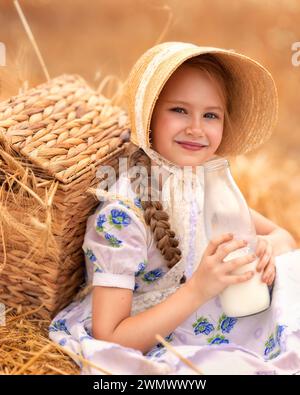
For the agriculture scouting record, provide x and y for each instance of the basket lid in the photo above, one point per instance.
(63, 126)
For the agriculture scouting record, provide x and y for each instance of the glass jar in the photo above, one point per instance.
(226, 210)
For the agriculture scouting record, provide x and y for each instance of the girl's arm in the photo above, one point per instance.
(281, 240)
(112, 321)
(111, 306)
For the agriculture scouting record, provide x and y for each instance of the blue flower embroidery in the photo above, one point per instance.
(202, 326)
(160, 349)
(218, 339)
(226, 323)
(113, 241)
(137, 202)
(62, 342)
(279, 331)
(141, 268)
(170, 337)
(157, 352)
(100, 221)
(270, 345)
(89, 253)
(119, 218)
(136, 287)
(273, 344)
(275, 354)
(59, 325)
(153, 275)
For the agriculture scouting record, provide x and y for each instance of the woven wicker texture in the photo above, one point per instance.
(64, 127)
(53, 138)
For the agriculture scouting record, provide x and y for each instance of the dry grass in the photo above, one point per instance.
(25, 348)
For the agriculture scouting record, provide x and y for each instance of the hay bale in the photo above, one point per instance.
(53, 138)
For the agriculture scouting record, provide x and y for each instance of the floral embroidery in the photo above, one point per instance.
(89, 253)
(270, 345)
(141, 268)
(170, 337)
(275, 354)
(160, 349)
(218, 339)
(274, 343)
(157, 352)
(59, 325)
(113, 241)
(202, 326)
(116, 218)
(153, 275)
(137, 202)
(119, 218)
(226, 323)
(279, 331)
(62, 342)
(136, 287)
(100, 221)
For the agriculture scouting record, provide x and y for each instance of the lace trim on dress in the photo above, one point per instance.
(148, 299)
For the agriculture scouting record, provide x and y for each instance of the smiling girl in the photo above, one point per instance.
(151, 268)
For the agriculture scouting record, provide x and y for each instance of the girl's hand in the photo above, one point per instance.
(266, 263)
(213, 275)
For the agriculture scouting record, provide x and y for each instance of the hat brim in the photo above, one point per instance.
(253, 95)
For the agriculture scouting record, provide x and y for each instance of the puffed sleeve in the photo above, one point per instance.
(115, 244)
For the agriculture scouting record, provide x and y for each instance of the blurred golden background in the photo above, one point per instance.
(97, 38)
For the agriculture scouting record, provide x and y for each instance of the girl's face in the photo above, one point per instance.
(187, 121)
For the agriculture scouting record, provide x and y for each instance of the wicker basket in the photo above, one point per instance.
(52, 140)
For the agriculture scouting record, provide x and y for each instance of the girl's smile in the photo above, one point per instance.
(187, 121)
(190, 145)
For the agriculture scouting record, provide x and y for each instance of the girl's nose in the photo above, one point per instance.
(195, 125)
(195, 128)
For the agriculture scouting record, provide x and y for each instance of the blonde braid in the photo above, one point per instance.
(155, 216)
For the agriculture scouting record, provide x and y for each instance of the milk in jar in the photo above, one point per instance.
(225, 210)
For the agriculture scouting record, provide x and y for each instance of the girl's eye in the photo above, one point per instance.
(179, 110)
(211, 115)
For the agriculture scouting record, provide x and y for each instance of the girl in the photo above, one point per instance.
(151, 268)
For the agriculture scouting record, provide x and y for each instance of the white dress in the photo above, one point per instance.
(120, 252)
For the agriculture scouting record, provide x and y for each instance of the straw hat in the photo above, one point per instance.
(254, 103)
